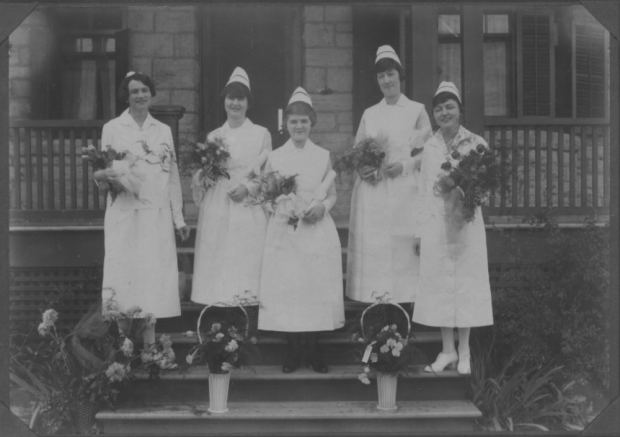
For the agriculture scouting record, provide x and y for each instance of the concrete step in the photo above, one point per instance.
(337, 347)
(269, 384)
(293, 418)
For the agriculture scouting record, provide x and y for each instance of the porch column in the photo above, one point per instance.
(424, 53)
(170, 115)
(473, 69)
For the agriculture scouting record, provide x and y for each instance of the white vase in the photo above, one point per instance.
(218, 392)
(386, 388)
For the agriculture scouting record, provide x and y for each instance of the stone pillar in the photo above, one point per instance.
(170, 115)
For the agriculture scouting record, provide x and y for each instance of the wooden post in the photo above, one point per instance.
(170, 115)
(424, 53)
(473, 69)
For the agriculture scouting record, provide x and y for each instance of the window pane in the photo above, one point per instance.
(110, 45)
(590, 71)
(86, 45)
(449, 60)
(449, 25)
(496, 24)
(495, 79)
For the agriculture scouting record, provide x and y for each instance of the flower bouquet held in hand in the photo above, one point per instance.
(277, 195)
(209, 160)
(387, 353)
(368, 152)
(466, 181)
(118, 166)
(226, 345)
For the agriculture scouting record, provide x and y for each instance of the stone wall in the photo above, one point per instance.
(164, 45)
(328, 48)
(23, 62)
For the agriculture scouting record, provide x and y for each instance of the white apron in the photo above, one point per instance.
(454, 271)
(380, 256)
(230, 236)
(301, 284)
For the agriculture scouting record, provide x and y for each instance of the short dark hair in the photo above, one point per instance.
(444, 96)
(387, 64)
(238, 90)
(300, 108)
(123, 89)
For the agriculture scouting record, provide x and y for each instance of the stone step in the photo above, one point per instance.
(293, 418)
(269, 383)
(337, 347)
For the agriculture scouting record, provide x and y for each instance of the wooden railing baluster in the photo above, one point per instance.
(573, 171)
(18, 169)
(606, 167)
(595, 202)
(84, 173)
(72, 153)
(526, 167)
(550, 178)
(92, 182)
(39, 144)
(560, 166)
(584, 167)
(61, 168)
(492, 146)
(503, 167)
(50, 169)
(538, 184)
(28, 164)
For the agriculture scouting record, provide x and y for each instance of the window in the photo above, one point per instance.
(498, 40)
(449, 50)
(86, 61)
(589, 70)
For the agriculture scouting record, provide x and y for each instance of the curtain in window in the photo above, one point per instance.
(85, 87)
(449, 60)
(495, 79)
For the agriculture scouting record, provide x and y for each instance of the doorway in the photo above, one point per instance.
(264, 40)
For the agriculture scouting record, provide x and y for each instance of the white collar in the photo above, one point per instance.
(401, 102)
(247, 124)
(126, 119)
(290, 147)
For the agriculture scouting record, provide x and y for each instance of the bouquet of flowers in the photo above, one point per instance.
(55, 371)
(226, 345)
(119, 165)
(368, 152)
(386, 350)
(466, 180)
(209, 160)
(277, 194)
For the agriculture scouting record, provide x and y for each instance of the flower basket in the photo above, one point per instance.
(386, 389)
(219, 382)
(386, 381)
(218, 392)
(85, 415)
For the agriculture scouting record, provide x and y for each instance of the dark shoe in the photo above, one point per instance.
(315, 358)
(293, 354)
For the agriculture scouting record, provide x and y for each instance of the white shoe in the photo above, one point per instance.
(464, 367)
(448, 360)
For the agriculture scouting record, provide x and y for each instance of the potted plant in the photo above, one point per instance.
(224, 346)
(387, 353)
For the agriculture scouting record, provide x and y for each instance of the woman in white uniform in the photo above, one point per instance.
(230, 236)
(380, 259)
(454, 273)
(140, 266)
(301, 284)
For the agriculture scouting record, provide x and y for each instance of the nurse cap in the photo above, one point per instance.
(387, 52)
(300, 95)
(239, 75)
(449, 87)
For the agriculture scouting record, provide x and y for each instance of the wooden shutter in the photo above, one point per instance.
(537, 68)
(589, 71)
(122, 64)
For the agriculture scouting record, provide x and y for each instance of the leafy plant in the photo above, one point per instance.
(557, 311)
(524, 396)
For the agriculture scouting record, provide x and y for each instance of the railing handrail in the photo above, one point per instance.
(57, 123)
(543, 121)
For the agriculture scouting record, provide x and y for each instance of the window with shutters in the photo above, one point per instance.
(372, 28)
(536, 66)
(589, 71)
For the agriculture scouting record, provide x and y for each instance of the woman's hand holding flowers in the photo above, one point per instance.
(314, 214)
(238, 194)
(367, 173)
(394, 170)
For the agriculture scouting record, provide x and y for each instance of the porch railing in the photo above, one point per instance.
(561, 164)
(48, 178)
(557, 163)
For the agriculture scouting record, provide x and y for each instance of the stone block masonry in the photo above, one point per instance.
(328, 42)
(164, 45)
